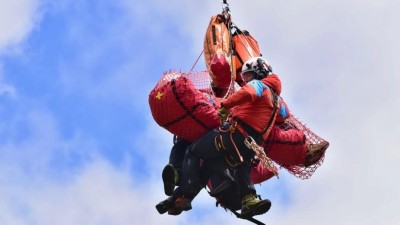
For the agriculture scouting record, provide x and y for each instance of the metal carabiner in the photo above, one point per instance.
(248, 141)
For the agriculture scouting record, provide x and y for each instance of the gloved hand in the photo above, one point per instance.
(223, 113)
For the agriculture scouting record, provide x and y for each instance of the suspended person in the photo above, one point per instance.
(253, 109)
(286, 147)
(172, 171)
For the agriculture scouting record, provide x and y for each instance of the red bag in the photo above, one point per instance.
(179, 107)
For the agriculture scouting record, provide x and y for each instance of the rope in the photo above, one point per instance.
(196, 61)
(260, 154)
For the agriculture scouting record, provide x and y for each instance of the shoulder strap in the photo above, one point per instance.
(273, 116)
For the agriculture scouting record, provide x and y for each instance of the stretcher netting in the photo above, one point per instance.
(297, 168)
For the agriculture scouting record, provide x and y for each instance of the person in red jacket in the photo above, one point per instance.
(253, 112)
(286, 147)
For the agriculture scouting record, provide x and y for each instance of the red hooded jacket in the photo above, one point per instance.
(253, 103)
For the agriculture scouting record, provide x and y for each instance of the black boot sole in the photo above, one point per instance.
(164, 206)
(168, 176)
(261, 209)
(174, 211)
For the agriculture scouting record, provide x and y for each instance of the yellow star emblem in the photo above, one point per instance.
(159, 95)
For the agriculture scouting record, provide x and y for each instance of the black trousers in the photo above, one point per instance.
(207, 156)
(177, 153)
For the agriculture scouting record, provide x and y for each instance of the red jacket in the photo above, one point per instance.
(273, 82)
(253, 103)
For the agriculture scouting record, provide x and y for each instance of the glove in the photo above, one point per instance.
(223, 113)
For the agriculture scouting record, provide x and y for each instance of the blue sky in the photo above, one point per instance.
(78, 144)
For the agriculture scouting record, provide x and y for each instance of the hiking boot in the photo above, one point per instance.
(315, 152)
(170, 178)
(165, 205)
(181, 204)
(252, 206)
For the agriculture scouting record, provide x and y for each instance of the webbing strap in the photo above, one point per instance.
(273, 116)
(251, 219)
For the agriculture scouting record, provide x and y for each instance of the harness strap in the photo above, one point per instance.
(237, 126)
(245, 129)
(251, 219)
(271, 121)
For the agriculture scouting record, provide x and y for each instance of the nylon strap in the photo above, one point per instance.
(251, 219)
(273, 116)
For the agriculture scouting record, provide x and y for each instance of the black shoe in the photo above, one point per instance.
(170, 177)
(252, 206)
(165, 205)
(180, 204)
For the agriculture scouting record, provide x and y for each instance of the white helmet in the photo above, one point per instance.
(258, 65)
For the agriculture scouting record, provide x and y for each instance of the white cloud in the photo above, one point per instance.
(17, 19)
(37, 187)
(98, 194)
(6, 89)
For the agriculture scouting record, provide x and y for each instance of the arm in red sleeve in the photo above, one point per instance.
(245, 94)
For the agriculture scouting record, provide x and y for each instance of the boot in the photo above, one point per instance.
(315, 152)
(165, 205)
(252, 206)
(170, 178)
(181, 204)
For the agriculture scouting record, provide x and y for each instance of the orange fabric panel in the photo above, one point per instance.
(246, 47)
(217, 51)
